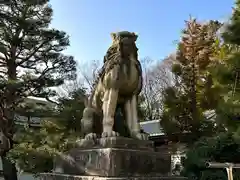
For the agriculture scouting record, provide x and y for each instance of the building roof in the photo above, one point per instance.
(152, 127)
(33, 121)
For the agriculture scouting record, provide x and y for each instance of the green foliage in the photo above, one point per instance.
(60, 128)
(231, 34)
(70, 109)
(223, 148)
(31, 57)
(227, 73)
(228, 112)
(38, 147)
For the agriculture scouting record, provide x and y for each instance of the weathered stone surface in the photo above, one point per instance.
(116, 142)
(52, 176)
(117, 157)
(116, 87)
(118, 162)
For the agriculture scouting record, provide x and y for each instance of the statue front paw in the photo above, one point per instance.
(140, 136)
(91, 136)
(109, 134)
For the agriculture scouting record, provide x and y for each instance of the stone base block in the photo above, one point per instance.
(116, 142)
(115, 160)
(53, 176)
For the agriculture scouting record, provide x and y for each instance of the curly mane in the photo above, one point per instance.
(111, 59)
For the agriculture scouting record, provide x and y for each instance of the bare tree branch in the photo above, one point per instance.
(156, 78)
(89, 73)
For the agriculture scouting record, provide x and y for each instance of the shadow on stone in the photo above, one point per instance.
(112, 157)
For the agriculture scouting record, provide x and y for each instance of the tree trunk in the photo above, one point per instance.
(9, 169)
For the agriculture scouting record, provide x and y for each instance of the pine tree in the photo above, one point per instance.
(231, 33)
(228, 73)
(60, 128)
(194, 90)
(222, 148)
(70, 109)
(31, 60)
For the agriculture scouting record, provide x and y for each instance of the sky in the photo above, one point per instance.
(158, 23)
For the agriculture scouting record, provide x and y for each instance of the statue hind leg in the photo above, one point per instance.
(87, 123)
(128, 112)
(109, 108)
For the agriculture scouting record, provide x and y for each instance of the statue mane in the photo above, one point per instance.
(110, 59)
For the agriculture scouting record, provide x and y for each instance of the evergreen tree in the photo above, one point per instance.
(60, 128)
(228, 73)
(194, 91)
(70, 109)
(224, 147)
(31, 60)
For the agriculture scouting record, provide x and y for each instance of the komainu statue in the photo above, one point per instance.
(118, 84)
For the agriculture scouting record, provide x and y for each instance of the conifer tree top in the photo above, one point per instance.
(232, 32)
(30, 52)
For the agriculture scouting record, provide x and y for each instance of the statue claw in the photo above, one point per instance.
(110, 134)
(91, 136)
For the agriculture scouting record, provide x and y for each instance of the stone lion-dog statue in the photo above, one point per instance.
(118, 84)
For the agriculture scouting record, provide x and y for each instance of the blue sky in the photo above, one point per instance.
(157, 22)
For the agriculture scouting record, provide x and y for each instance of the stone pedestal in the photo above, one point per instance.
(55, 176)
(111, 158)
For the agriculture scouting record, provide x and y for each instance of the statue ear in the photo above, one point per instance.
(135, 36)
(113, 35)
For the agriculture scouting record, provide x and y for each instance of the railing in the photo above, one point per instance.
(227, 166)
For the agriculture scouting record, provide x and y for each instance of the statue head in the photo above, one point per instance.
(126, 41)
(123, 35)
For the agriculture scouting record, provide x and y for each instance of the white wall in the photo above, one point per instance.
(27, 177)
